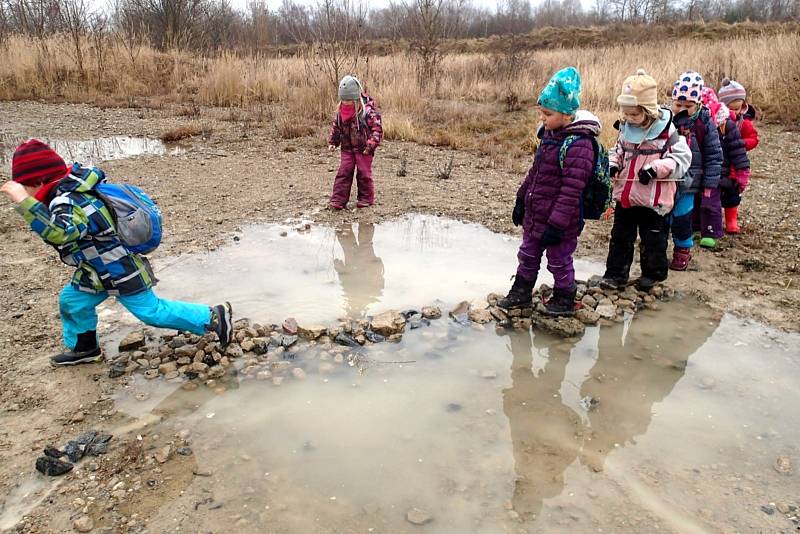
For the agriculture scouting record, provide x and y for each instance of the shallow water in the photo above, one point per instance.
(93, 151)
(484, 430)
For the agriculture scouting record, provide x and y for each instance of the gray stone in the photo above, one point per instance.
(607, 311)
(388, 323)
(587, 316)
(480, 316)
(431, 312)
(83, 524)
(132, 341)
(416, 516)
(589, 301)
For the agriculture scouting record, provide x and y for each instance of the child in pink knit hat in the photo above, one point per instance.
(735, 173)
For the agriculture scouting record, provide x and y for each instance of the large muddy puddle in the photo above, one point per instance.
(679, 420)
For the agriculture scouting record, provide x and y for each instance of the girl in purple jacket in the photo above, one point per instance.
(548, 203)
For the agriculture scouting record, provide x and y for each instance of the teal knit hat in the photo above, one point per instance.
(563, 92)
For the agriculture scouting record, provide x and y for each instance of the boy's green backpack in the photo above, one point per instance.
(597, 194)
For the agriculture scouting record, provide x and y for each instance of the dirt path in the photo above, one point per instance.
(245, 174)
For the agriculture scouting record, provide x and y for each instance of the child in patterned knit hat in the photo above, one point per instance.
(548, 204)
(735, 163)
(62, 206)
(733, 94)
(701, 192)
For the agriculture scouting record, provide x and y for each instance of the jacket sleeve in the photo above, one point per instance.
(375, 128)
(734, 146)
(578, 169)
(676, 162)
(749, 134)
(523, 188)
(335, 135)
(712, 157)
(65, 222)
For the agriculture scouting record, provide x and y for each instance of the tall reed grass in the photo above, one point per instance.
(464, 109)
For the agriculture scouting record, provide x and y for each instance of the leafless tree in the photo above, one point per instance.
(74, 17)
(433, 22)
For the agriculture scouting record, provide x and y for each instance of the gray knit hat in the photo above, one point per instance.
(349, 88)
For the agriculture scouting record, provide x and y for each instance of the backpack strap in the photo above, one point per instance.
(671, 141)
(567, 142)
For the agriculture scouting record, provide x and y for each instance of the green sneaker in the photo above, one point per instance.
(708, 242)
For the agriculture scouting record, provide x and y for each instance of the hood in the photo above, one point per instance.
(635, 134)
(81, 179)
(585, 123)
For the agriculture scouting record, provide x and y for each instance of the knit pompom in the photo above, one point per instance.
(726, 81)
(641, 72)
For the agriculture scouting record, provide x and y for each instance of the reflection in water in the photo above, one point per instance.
(637, 365)
(93, 151)
(361, 272)
(545, 433)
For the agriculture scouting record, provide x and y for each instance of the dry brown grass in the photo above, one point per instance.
(469, 108)
(186, 131)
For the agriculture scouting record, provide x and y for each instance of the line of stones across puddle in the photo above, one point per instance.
(277, 352)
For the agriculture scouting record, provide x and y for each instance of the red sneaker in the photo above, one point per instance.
(680, 259)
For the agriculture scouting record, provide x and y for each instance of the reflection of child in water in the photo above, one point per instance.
(361, 272)
(634, 371)
(544, 431)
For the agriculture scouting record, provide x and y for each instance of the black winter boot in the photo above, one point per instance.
(222, 323)
(562, 303)
(86, 350)
(520, 294)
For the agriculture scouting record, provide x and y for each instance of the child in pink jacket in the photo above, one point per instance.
(646, 164)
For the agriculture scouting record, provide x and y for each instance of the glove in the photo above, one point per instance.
(646, 174)
(519, 212)
(743, 179)
(613, 171)
(552, 236)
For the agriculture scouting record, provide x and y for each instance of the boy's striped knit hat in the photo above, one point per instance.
(34, 163)
(731, 90)
(688, 87)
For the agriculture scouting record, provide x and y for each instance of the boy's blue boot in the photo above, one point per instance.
(86, 350)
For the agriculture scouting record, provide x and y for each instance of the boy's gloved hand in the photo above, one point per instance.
(552, 236)
(14, 191)
(518, 214)
(646, 174)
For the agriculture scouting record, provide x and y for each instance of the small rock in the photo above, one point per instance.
(589, 301)
(117, 370)
(150, 374)
(199, 367)
(346, 340)
(299, 373)
(417, 516)
(78, 417)
(431, 312)
(166, 368)
(311, 332)
(184, 451)
(606, 311)
(163, 454)
(132, 341)
(290, 326)
(52, 467)
(589, 403)
(783, 465)
(461, 309)
(480, 316)
(83, 524)
(388, 323)
(783, 508)
(587, 316)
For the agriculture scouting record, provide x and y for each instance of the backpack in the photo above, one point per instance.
(597, 194)
(137, 218)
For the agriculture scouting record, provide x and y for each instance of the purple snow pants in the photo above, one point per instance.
(362, 166)
(708, 214)
(559, 260)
